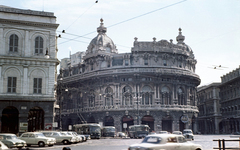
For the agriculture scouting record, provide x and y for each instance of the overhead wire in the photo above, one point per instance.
(129, 19)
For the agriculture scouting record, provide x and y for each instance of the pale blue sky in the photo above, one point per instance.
(211, 27)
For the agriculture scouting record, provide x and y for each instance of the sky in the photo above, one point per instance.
(211, 27)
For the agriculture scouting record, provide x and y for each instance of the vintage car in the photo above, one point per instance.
(166, 142)
(177, 132)
(121, 134)
(3, 146)
(73, 135)
(188, 134)
(37, 138)
(60, 138)
(12, 141)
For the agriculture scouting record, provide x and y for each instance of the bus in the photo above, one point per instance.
(92, 129)
(138, 131)
(108, 131)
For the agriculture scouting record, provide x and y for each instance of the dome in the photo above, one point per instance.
(101, 43)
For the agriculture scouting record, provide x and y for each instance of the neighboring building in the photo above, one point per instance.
(65, 62)
(77, 58)
(155, 84)
(230, 101)
(209, 116)
(27, 69)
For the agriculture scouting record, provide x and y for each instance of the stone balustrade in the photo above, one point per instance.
(131, 107)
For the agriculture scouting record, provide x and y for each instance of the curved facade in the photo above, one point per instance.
(154, 84)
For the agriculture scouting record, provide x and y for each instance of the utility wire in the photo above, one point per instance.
(80, 16)
(129, 19)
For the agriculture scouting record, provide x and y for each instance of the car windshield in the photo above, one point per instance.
(187, 131)
(152, 139)
(95, 129)
(141, 128)
(109, 129)
(10, 137)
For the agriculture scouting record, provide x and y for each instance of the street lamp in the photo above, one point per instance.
(137, 97)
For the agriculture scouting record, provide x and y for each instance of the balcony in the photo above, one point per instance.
(131, 107)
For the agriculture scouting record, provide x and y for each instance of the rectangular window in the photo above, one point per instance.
(12, 84)
(37, 85)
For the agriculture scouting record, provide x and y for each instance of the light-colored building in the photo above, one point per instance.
(209, 117)
(230, 102)
(154, 84)
(28, 61)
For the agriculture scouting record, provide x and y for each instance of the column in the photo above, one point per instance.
(25, 79)
(2, 42)
(26, 46)
(1, 80)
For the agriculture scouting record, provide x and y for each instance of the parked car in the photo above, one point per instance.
(80, 137)
(73, 135)
(3, 146)
(188, 134)
(37, 138)
(121, 134)
(166, 142)
(60, 138)
(177, 132)
(12, 141)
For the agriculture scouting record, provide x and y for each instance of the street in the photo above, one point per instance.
(122, 144)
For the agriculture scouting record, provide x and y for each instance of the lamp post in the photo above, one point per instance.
(137, 97)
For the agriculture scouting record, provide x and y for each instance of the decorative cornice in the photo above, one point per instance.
(26, 12)
(28, 23)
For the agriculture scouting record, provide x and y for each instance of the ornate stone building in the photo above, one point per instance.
(154, 84)
(230, 102)
(209, 117)
(28, 64)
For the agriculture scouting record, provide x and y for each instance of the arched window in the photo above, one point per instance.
(127, 96)
(181, 97)
(108, 96)
(13, 43)
(147, 95)
(166, 96)
(38, 45)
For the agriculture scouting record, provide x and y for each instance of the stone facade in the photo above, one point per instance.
(28, 61)
(230, 102)
(154, 84)
(209, 116)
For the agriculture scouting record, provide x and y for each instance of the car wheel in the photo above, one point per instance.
(41, 144)
(65, 142)
(28, 145)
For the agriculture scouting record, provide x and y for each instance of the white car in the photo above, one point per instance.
(60, 138)
(188, 134)
(37, 138)
(166, 142)
(3, 146)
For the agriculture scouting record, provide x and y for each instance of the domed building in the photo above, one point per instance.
(154, 84)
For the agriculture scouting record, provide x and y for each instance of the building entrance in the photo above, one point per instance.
(35, 119)
(167, 124)
(127, 119)
(108, 121)
(10, 120)
(148, 120)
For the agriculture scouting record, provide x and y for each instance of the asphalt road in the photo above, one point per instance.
(122, 144)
